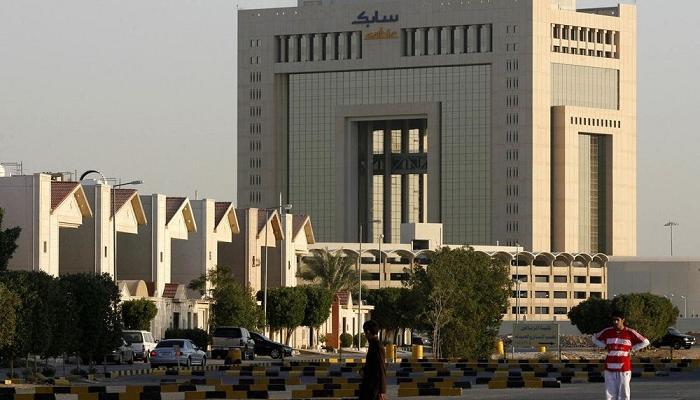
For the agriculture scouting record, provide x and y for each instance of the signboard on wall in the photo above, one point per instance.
(535, 334)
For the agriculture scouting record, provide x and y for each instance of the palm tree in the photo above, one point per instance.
(335, 272)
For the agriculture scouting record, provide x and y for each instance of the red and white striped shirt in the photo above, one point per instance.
(619, 344)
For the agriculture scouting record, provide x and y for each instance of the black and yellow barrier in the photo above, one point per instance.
(324, 393)
(416, 392)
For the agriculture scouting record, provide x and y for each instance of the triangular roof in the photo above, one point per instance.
(343, 297)
(124, 196)
(224, 209)
(61, 191)
(274, 220)
(174, 205)
(303, 222)
(174, 291)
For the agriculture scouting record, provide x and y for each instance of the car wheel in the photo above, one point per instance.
(189, 362)
(204, 361)
(131, 359)
(677, 346)
(275, 353)
(120, 360)
(687, 346)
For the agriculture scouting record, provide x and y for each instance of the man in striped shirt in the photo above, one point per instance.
(619, 340)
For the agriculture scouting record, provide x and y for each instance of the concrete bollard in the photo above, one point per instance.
(390, 352)
(417, 352)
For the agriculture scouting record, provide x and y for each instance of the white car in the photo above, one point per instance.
(166, 353)
(142, 343)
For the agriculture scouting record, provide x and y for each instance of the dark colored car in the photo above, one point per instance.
(674, 338)
(266, 347)
(225, 338)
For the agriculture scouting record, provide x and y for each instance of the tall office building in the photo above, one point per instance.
(508, 121)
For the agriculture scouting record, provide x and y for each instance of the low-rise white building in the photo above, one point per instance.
(44, 206)
(147, 255)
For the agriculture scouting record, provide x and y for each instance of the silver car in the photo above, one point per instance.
(166, 354)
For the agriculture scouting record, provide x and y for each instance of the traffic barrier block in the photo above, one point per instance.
(416, 392)
(194, 395)
(498, 384)
(172, 395)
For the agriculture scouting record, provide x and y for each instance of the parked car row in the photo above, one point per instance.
(140, 345)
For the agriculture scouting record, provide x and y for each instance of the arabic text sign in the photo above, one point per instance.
(382, 34)
(535, 334)
(375, 18)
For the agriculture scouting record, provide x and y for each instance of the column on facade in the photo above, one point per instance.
(472, 36)
(284, 46)
(459, 39)
(485, 38)
(404, 177)
(420, 41)
(423, 178)
(293, 48)
(410, 42)
(330, 46)
(318, 46)
(614, 48)
(356, 45)
(446, 40)
(432, 41)
(305, 49)
(342, 45)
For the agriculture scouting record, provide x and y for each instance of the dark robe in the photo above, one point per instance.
(374, 372)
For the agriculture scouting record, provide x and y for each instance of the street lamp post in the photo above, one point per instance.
(103, 180)
(382, 272)
(114, 221)
(517, 291)
(685, 306)
(670, 225)
(359, 300)
(267, 220)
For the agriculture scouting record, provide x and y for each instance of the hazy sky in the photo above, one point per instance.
(146, 89)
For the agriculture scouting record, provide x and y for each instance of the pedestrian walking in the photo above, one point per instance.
(619, 340)
(373, 386)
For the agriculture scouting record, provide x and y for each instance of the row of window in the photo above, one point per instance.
(512, 155)
(255, 180)
(255, 111)
(512, 100)
(318, 47)
(255, 93)
(512, 208)
(512, 190)
(583, 34)
(441, 40)
(255, 197)
(582, 52)
(560, 279)
(255, 76)
(540, 310)
(512, 172)
(604, 123)
(512, 136)
(557, 294)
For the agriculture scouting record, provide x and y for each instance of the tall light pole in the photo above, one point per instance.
(670, 225)
(267, 220)
(517, 284)
(381, 264)
(359, 300)
(114, 221)
(685, 306)
(103, 181)
(284, 209)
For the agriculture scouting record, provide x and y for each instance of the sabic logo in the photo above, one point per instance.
(382, 34)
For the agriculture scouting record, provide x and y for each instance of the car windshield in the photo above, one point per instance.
(133, 337)
(674, 331)
(258, 336)
(232, 333)
(170, 343)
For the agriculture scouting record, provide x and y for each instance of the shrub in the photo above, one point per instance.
(48, 371)
(345, 340)
(138, 314)
(363, 340)
(198, 336)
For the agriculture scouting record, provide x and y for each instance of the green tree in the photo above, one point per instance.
(335, 272)
(43, 313)
(233, 304)
(138, 314)
(591, 316)
(393, 309)
(318, 308)
(285, 309)
(98, 324)
(464, 293)
(8, 242)
(649, 314)
(8, 304)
